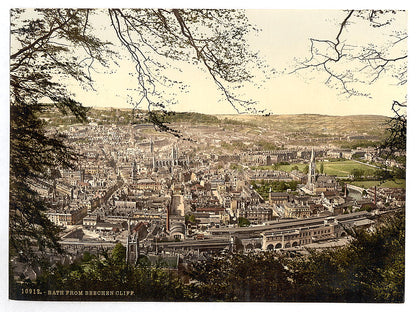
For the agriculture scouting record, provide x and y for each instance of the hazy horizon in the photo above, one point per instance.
(240, 114)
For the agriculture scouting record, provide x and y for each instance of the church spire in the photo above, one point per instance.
(312, 169)
(151, 146)
(312, 155)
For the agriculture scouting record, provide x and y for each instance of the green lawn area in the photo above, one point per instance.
(339, 168)
(399, 183)
(344, 168)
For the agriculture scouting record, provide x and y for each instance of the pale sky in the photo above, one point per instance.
(285, 35)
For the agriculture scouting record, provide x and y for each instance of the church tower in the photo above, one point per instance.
(174, 153)
(154, 165)
(151, 146)
(134, 172)
(312, 170)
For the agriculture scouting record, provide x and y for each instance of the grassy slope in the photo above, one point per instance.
(400, 183)
(296, 126)
(321, 125)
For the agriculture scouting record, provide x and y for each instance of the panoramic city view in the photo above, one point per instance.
(207, 155)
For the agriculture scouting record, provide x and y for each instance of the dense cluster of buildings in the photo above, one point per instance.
(153, 192)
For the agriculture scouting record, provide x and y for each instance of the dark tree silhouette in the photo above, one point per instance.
(397, 132)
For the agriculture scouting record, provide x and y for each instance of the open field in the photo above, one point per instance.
(339, 168)
(399, 183)
(344, 168)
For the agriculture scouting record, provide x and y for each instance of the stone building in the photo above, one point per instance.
(300, 236)
(255, 214)
(278, 197)
(67, 216)
(296, 210)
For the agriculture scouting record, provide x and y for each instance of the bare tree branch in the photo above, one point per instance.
(371, 61)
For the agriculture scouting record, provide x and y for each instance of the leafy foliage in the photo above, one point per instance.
(370, 269)
(37, 59)
(243, 222)
(395, 144)
(264, 187)
(238, 277)
(357, 173)
(108, 272)
(32, 154)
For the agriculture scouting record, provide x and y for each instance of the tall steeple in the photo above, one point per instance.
(174, 155)
(312, 169)
(154, 163)
(151, 146)
(134, 172)
(174, 152)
